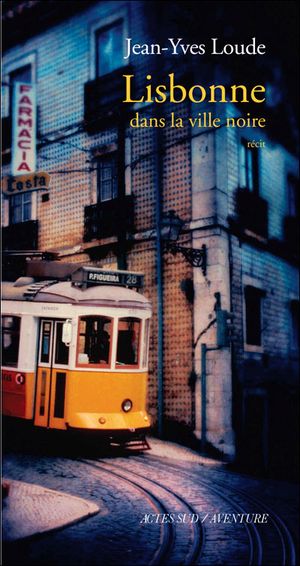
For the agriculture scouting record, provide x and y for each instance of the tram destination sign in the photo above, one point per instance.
(95, 276)
(25, 183)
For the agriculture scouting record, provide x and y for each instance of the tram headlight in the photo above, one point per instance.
(127, 405)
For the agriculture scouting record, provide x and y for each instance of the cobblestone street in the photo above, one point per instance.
(168, 506)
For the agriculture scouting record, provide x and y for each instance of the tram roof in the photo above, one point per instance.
(26, 289)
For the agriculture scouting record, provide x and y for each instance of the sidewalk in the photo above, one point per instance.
(168, 449)
(31, 509)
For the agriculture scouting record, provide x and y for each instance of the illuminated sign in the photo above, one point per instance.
(24, 129)
(25, 183)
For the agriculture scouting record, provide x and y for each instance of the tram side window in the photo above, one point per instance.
(45, 346)
(128, 342)
(10, 340)
(61, 350)
(94, 340)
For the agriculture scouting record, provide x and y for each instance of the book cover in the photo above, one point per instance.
(150, 197)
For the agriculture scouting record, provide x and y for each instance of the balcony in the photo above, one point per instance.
(103, 99)
(109, 218)
(252, 212)
(20, 236)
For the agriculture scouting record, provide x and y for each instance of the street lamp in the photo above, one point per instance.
(171, 226)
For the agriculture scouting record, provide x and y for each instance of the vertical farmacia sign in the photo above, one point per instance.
(24, 129)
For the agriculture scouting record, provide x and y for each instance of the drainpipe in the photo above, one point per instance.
(121, 230)
(159, 274)
(203, 397)
(204, 350)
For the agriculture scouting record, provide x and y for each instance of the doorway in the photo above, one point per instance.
(53, 359)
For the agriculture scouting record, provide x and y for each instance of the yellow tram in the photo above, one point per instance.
(75, 352)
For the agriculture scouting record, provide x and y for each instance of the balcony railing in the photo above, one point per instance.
(103, 98)
(252, 212)
(20, 236)
(109, 218)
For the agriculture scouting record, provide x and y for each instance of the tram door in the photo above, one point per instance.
(53, 358)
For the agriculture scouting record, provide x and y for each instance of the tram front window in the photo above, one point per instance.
(94, 340)
(10, 340)
(128, 342)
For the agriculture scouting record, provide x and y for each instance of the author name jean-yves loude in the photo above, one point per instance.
(177, 46)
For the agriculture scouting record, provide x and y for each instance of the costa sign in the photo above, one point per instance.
(25, 183)
(24, 129)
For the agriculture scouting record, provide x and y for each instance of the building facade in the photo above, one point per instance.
(117, 177)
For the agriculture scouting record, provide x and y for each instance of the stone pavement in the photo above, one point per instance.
(31, 509)
(114, 534)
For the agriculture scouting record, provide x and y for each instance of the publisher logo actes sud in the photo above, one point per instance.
(216, 518)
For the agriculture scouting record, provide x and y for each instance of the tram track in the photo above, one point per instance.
(181, 545)
(213, 543)
(288, 552)
(128, 488)
(265, 547)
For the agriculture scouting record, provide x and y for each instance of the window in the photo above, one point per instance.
(50, 348)
(45, 342)
(249, 167)
(61, 350)
(94, 340)
(294, 310)
(293, 196)
(253, 315)
(109, 48)
(128, 342)
(20, 208)
(107, 177)
(10, 340)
